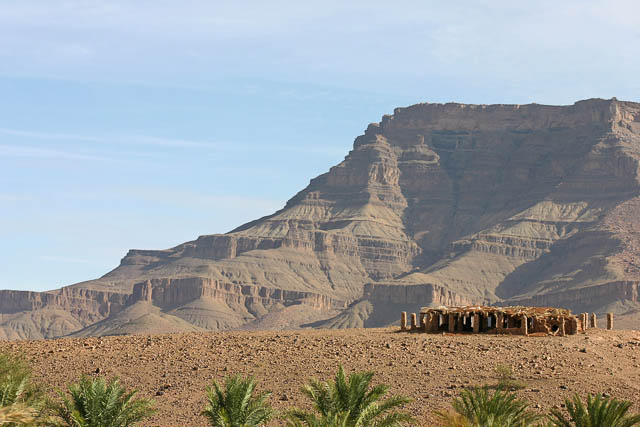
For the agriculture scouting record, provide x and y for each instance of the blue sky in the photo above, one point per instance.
(143, 124)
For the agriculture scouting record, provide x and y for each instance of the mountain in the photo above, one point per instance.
(436, 204)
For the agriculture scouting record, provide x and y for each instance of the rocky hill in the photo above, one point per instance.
(436, 204)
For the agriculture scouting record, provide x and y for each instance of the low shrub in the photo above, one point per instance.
(506, 379)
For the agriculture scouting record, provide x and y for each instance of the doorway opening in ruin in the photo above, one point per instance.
(482, 324)
(467, 324)
(443, 323)
(529, 323)
(555, 328)
(491, 321)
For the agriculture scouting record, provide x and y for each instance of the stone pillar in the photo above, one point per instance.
(435, 322)
(609, 321)
(414, 321)
(524, 328)
(579, 321)
(422, 321)
(586, 320)
(476, 323)
(403, 320)
(460, 317)
(563, 330)
(485, 320)
(500, 322)
(594, 321)
(572, 326)
(452, 323)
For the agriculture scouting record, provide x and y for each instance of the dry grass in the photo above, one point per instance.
(17, 414)
(452, 419)
(506, 379)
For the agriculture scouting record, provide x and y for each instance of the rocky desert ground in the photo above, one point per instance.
(431, 368)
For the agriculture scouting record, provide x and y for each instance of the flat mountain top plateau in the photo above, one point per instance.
(430, 368)
(436, 204)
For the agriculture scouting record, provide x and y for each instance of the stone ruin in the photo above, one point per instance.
(501, 320)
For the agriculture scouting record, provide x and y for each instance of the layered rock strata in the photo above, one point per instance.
(436, 204)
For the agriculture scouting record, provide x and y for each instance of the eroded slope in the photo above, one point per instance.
(436, 204)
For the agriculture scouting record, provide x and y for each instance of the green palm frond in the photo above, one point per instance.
(394, 419)
(321, 395)
(15, 382)
(599, 412)
(350, 402)
(298, 418)
(19, 397)
(237, 405)
(481, 409)
(97, 403)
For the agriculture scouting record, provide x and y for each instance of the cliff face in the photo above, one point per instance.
(436, 204)
(37, 315)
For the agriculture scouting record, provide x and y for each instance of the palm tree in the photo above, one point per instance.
(236, 405)
(20, 400)
(599, 412)
(97, 403)
(477, 408)
(350, 403)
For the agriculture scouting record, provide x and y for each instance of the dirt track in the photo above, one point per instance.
(429, 368)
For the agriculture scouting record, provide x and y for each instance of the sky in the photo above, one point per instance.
(144, 124)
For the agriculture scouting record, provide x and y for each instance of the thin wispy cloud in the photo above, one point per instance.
(116, 139)
(419, 41)
(146, 140)
(325, 151)
(203, 200)
(47, 135)
(46, 153)
(65, 260)
(9, 197)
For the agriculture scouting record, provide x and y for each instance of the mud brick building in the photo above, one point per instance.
(497, 320)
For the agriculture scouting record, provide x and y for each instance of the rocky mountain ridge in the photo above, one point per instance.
(436, 204)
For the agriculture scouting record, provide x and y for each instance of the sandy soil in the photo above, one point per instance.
(175, 369)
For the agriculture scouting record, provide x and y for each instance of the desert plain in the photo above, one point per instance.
(175, 369)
